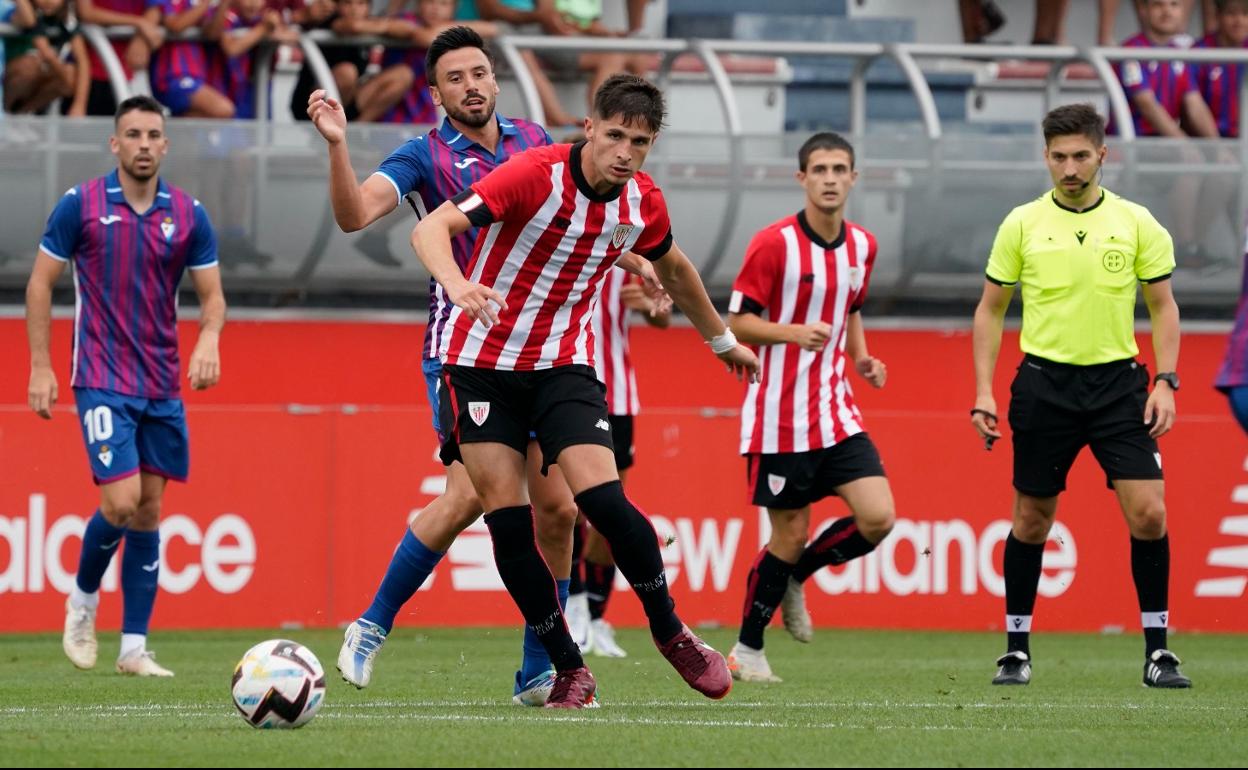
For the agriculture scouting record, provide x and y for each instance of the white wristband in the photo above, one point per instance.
(723, 343)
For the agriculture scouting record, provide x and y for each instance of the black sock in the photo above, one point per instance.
(835, 545)
(530, 583)
(576, 583)
(769, 577)
(635, 547)
(598, 580)
(1022, 579)
(1150, 567)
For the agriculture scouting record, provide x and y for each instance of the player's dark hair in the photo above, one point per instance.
(1072, 120)
(449, 40)
(825, 140)
(631, 99)
(139, 104)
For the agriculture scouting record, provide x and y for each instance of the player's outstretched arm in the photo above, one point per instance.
(986, 345)
(356, 205)
(42, 391)
(684, 284)
(205, 367)
(431, 240)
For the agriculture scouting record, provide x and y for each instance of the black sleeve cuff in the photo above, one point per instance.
(660, 251)
(750, 306)
(855, 308)
(1158, 279)
(999, 283)
(479, 216)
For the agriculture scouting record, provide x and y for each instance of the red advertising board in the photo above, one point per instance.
(315, 449)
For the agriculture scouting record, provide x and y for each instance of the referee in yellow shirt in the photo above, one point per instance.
(1079, 252)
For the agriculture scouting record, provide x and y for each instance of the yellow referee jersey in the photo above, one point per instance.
(1079, 272)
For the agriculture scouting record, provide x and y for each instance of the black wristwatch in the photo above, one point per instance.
(1170, 378)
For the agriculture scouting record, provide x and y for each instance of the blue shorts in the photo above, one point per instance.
(432, 368)
(176, 93)
(128, 434)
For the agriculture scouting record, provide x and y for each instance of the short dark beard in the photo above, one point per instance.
(130, 172)
(468, 119)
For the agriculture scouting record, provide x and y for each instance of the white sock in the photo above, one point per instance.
(80, 599)
(131, 643)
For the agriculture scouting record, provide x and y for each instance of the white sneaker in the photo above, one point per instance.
(750, 665)
(577, 615)
(79, 640)
(141, 663)
(360, 646)
(796, 617)
(602, 640)
(534, 692)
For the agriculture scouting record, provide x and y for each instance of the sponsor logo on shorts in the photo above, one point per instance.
(603, 424)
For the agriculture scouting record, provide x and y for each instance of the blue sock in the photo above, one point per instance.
(535, 660)
(140, 571)
(411, 565)
(99, 543)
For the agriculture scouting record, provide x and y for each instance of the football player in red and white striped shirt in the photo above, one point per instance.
(520, 357)
(797, 298)
(622, 297)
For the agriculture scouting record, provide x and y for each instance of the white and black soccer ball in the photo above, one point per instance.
(278, 683)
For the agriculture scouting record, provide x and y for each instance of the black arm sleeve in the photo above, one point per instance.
(480, 215)
(658, 252)
(750, 306)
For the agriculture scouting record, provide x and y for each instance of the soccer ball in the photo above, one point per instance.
(278, 683)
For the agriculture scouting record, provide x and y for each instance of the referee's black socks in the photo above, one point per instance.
(1022, 580)
(1150, 567)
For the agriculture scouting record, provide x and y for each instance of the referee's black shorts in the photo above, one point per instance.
(1058, 409)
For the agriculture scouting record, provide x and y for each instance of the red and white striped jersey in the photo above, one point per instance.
(611, 356)
(803, 400)
(546, 242)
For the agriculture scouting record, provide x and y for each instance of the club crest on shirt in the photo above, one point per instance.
(775, 483)
(620, 235)
(106, 456)
(167, 227)
(479, 411)
(855, 278)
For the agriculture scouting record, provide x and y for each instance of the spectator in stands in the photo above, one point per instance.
(1219, 83)
(179, 72)
(1108, 13)
(431, 18)
(1165, 102)
(364, 98)
(526, 17)
(134, 53)
(980, 18)
(238, 27)
(585, 17)
(35, 76)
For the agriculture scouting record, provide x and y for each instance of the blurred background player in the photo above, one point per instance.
(471, 141)
(798, 297)
(130, 236)
(594, 574)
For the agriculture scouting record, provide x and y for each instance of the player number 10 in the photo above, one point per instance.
(99, 424)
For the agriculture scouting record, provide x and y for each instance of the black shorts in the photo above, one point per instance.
(622, 437)
(792, 480)
(1058, 409)
(565, 406)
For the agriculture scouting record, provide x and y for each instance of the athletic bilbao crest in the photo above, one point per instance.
(775, 483)
(167, 227)
(479, 411)
(620, 235)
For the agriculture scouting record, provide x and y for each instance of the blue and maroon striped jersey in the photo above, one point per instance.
(437, 167)
(1219, 85)
(1169, 82)
(177, 59)
(127, 267)
(1234, 371)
